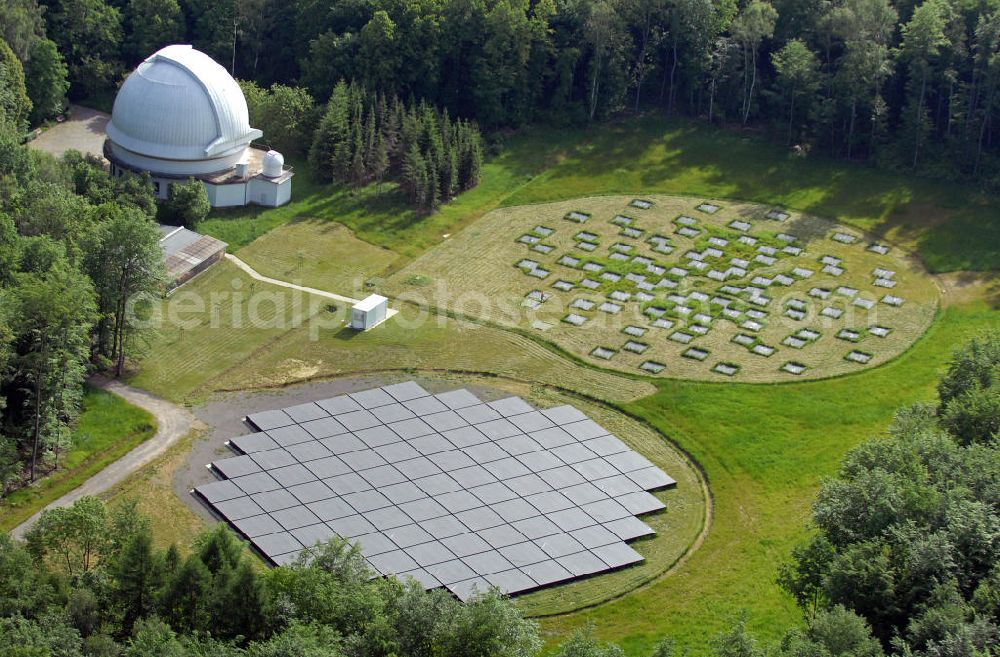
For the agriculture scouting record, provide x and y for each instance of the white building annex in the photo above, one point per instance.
(180, 115)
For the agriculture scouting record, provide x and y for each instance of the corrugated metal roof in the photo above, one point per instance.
(184, 250)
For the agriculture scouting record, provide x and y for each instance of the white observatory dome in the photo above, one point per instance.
(180, 113)
(274, 164)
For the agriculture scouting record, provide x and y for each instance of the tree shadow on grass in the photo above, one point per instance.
(948, 223)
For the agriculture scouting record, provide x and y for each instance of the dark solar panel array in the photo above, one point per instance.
(443, 488)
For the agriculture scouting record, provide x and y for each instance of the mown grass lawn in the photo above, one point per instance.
(107, 429)
(764, 448)
(952, 226)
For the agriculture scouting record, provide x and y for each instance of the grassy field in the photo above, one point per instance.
(108, 428)
(186, 364)
(320, 254)
(492, 286)
(764, 448)
(951, 225)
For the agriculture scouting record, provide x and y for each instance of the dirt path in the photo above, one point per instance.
(172, 421)
(253, 273)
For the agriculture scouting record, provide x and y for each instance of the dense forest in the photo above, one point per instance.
(903, 561)
(908, 85)
(364, 136)
(76, 247)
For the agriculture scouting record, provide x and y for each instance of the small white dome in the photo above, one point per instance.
(273, 165)
(179, 104)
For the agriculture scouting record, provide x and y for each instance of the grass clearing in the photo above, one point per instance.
(948, 224)
(765, 449)
(475, 274)
(320, 254)
(108, 428)
(152, 487)
(218, 320)
(383, 217)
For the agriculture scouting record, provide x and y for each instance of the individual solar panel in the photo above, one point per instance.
(291, 475)
(331, 509)
(547, 572)
(236, 466)
(375, 543)
(405, 391)
(238, 508)
(257, 525)
(430, 553)
(372, 398)
(311, 491)
(274, 500)
(444, 527)
(425, 406)
(273, 459)
(313, 534)
(219, 491)
(523, 554)
(466, 544)
(537, 527)
(388, 518)
(256, 483)
(338, 405)
(511, 406)
(393, 562)
(308, 451)
(511, 581)
(451, 571)
(582, 563)
(392, 413)
(252, 442)
(343, 444)
(379, 436)
(289, 435)
(617, 555)
(422, 577)
(351, 526)
(360, 419)
(443, 488)
(275, 544)
(640, 502)
(408, 535)
(330, 466)
(460, 398)
(629, 527)
(445, 420)
(295, 517)
(651, 478)
(478, 414)
(324, 427)
(502, 535)
(533, 421)
(305, 412)
(270, 420)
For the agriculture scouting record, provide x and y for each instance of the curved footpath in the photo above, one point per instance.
(254, 274)
(173, 422)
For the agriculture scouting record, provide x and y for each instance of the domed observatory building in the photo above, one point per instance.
(181, 115)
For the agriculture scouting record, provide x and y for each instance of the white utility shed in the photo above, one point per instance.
(369, 312)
